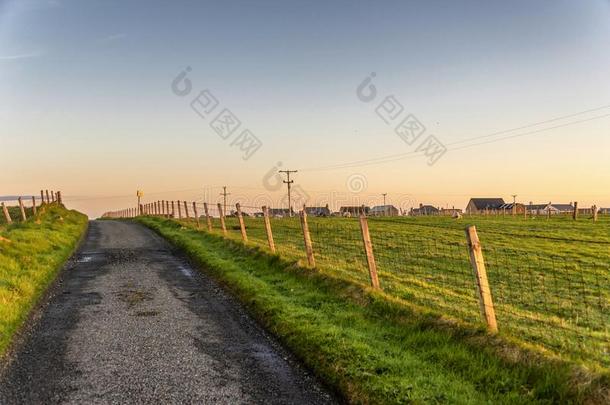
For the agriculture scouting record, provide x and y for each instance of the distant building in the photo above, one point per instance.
(384, 211)
(318, 211)
(604, 211)
(537, 209)
(424, 210)
(279, 212)
(353, 211)
(450, 212)
(585, 211)
(561, 208)
(508, 208)
(543, 209)
(483, 205)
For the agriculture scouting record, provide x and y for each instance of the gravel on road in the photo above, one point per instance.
(130, 321)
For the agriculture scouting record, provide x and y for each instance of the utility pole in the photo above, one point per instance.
(224, 194)
(514, 204)
(288, 182)
(385, 209)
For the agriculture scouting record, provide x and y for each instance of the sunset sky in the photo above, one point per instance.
(518, 92)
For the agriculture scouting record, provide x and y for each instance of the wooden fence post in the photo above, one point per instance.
(575, 211)
(268, 229)
(7, 216)
(242, 226)
(208, 220)
(307, 239)
(47, 193)
(594, 212)
(368, 250)
(41, 197)
(186, 210)
(179, 209)
(173, 210)
(196, 214)
(34, 205)
(59, 199)
(222, 220)
(23, 216)
(486, 305)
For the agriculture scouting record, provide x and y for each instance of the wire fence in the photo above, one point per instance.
(17, 209)
(553, 292)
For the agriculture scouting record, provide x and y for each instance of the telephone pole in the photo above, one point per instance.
(224, 195)
(288, 182)
(385, 209)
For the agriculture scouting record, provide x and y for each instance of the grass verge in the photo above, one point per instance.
(31, 254)
(372, 348)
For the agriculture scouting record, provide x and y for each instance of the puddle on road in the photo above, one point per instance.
(186, 271)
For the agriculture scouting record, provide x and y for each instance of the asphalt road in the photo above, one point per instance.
(131, 322)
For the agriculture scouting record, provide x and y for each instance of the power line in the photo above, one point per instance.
(407, 155)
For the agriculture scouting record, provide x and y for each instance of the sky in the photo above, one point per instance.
(516, 93)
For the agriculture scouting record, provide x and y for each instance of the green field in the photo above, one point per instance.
(31, 254)
(368, 345)
(550, 279)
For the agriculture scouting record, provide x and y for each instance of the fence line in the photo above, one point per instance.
(546, 299)
(22, 210)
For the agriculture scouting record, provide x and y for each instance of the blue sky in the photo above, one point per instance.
(86, 103)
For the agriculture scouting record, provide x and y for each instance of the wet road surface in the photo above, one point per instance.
(131, 322)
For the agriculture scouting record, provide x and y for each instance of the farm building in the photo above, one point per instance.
(354, 211)
(451, 212)
(508, 208)
(561, 208)
(424, 210)
(537, 209)
(585, 211)
(279, 212)
(604, 211)
(318, 211)
(543, 209)
(384, 211)
(483, 205)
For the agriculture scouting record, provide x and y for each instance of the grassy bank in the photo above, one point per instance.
(550, 279)
(374, 348)
(31, 254)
